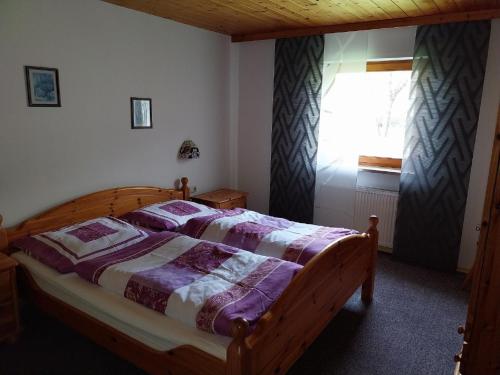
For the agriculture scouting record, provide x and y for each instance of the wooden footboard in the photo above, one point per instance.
(280, 337)
(183, 360)
(317, 293)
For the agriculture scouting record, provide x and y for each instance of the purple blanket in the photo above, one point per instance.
(265, 235)
(203, 284)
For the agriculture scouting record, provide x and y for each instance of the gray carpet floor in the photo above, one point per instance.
(410, 329)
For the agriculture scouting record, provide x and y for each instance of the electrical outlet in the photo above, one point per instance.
(194, 189)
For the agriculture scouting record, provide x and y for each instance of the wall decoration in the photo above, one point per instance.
(447, 81)
(298, 72)
(188, 150)
(42, 85)
(141, 113)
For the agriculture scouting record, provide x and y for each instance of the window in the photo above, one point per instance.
(388, 85)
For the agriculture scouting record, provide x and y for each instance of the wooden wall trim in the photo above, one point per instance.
(370, 25)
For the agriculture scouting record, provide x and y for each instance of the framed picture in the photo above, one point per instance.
(141, 113)
(42, 85)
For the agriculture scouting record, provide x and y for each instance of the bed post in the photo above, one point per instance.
(368, 285)
(236, 352)
(185, 188)
(4, 242)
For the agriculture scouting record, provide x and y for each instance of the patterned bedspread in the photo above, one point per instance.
(265, 235)
(203, 284)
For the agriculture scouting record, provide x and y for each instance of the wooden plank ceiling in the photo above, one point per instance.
(265, 19)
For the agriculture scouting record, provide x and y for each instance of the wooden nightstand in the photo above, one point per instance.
(222, 198)
(9, 314)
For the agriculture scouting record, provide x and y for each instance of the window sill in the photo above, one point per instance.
(384, 170)
(379, 162)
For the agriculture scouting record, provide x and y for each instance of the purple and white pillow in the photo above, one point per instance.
(62, 249)
(169, 215)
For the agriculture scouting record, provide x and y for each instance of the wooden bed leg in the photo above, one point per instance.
(185, 188)
(4, 242)
(236, 356)
(369, 284)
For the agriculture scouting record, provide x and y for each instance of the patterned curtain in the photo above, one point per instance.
(447, 81)
(296, 110)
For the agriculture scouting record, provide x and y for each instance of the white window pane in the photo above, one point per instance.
(387, 109)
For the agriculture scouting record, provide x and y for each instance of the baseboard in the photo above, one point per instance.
(385, 249)
(388, 250)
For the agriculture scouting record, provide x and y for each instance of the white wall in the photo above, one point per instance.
(482, 151)
(391, 43)
(106, 54)
(234, 109)
(256, 81)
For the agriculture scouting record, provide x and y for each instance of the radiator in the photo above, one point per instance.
(382, 203)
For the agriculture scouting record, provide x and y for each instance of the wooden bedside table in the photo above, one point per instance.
(222, 198)
(9, 314)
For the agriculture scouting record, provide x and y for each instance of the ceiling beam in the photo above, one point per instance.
(370, 25)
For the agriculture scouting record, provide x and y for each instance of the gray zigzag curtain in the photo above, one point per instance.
(296, 108)
(447, 81)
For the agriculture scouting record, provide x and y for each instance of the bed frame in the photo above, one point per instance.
(308, 304)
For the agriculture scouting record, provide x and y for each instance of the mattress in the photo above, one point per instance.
(153, 329)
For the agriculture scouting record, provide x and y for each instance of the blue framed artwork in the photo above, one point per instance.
(141, 113)
(42, 85)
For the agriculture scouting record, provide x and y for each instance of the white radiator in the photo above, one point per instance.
(382, 203)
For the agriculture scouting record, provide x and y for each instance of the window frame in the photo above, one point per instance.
(384, 66)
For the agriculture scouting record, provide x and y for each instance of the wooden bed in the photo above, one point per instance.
(311, 300)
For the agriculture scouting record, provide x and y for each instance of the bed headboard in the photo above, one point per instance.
(111, 202)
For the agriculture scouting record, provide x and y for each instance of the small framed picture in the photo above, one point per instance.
(42, 85)
(141, 113)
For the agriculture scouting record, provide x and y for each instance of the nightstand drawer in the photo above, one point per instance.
(235, 203)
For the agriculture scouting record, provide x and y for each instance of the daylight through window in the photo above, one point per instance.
(388, 87)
